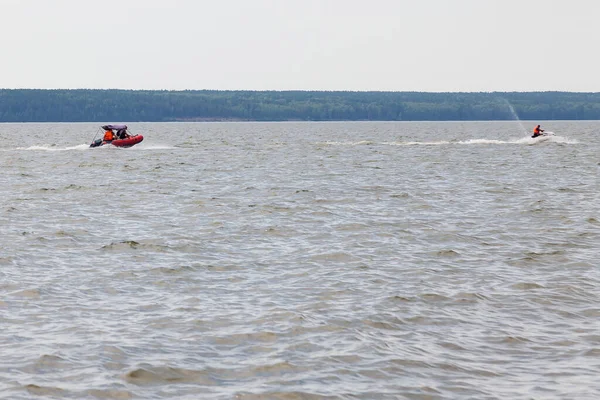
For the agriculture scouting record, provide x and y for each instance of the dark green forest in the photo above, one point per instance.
(111, 106)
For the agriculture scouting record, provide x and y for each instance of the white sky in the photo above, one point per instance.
(396, 45)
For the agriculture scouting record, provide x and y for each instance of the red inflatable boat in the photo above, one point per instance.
(122, 137)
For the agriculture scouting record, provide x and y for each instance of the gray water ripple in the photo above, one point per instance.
(295, 260)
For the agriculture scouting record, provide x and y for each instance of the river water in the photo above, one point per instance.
(301, 261)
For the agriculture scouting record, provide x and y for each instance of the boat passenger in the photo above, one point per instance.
(537, 131)
(108, 135)
(122, 134)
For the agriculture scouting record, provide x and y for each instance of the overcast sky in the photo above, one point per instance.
(395, 45)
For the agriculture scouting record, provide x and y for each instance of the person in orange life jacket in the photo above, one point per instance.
(108, 135)
(537, 131)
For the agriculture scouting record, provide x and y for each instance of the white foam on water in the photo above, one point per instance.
(154, 146)
(483, 141)
(563, 139)
(358, 143)
(528, 140)
(412, 143)
(79, 147)
(48, 147)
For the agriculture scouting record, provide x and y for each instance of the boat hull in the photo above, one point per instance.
(128, 142)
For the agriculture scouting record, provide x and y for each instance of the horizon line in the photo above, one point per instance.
(297, 90)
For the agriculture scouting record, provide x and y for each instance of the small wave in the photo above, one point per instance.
(45, 391)
(109, 394)
(251, 337)
(402, 195)
(56, 392)
(283, 395)
(171, 270)
(45, 363)
(433, 297)
(384, 325)
(469, 297)
(526, 286)
(147, 245)
(148, 375)
(401, 298)
(125, 244)
(447, 253)
(513, 339)
(27, 293)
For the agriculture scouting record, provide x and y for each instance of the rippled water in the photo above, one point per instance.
(301, 261)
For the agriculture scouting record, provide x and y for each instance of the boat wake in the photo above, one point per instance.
(520, 141)
(54, 148)
(156, 147)
(48, 147)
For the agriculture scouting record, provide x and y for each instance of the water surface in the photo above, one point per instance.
(300, 261)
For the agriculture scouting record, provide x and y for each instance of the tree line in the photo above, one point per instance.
(115, 105)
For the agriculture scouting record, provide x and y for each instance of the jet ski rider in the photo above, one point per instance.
(537, 131)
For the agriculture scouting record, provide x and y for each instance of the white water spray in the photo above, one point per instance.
(515, 115)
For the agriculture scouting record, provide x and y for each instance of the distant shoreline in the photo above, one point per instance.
(84, 105)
